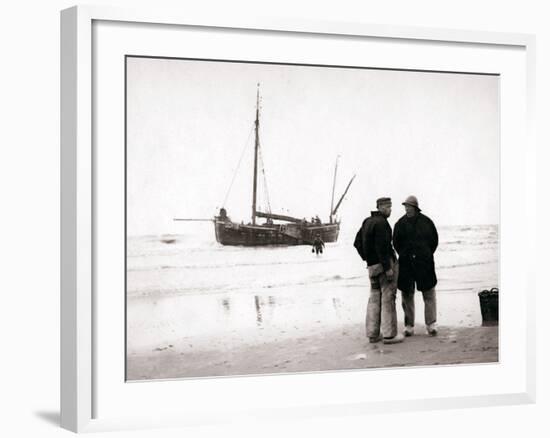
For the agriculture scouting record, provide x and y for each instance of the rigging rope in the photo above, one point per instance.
(266, 192)
(238, 165)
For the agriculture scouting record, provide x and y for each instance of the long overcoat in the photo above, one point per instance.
(415, 239)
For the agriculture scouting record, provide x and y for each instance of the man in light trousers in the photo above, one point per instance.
(376, 233)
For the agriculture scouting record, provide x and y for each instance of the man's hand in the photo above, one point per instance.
(389, 274)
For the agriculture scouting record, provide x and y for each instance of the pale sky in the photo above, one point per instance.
(434, 135)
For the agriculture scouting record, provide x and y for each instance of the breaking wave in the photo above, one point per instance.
(199, 265)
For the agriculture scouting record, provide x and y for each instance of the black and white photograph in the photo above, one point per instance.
(275, 219)
(287, 218)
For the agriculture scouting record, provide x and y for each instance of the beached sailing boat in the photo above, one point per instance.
(292, 230)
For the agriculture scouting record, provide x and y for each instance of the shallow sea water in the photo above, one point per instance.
(195, 290)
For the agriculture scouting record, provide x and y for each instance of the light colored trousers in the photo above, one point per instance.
(381, 313)
(430, 306)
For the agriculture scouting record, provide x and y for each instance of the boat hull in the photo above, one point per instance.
(231, 233)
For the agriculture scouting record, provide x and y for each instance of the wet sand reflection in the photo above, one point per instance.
(253, 317)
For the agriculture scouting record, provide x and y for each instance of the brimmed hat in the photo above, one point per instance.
(381, 201)
(412, 201)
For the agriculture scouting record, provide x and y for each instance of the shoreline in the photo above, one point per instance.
(195, 311)
(339, 349)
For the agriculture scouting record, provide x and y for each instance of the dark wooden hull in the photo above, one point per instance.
(232, 233)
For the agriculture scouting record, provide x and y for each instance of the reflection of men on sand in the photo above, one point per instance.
(376, 236)
(318, 244)
(415, 240)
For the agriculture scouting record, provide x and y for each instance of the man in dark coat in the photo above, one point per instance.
(318, 244)
(415, 239)
(376, 236)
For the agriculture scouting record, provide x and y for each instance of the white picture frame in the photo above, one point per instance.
(82, 372)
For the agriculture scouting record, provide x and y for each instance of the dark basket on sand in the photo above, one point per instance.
(488, 301)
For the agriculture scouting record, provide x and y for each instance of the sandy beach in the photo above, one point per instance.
(335, 341)
(335, 350)
(197, 310)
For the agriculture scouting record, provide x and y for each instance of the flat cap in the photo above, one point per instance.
(381, 201)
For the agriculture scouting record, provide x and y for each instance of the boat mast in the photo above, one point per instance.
(256, 145)
(343, 195)
(333, 187)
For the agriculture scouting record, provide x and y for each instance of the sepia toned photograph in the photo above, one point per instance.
(286, 218)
